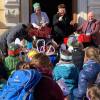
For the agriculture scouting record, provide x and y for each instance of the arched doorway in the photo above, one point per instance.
(50, 7)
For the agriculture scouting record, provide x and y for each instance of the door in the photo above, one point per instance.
(50, 7)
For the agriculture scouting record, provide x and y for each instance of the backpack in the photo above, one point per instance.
(20, 85)
(63, 86)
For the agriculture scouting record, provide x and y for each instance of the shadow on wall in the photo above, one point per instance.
(2, 25)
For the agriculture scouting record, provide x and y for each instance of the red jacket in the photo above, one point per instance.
(47, 89)
(95, 30)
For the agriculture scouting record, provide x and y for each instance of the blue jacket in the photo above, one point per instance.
(68, 72)
(86, 76)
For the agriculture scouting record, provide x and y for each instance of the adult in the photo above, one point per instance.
(40, 21)
(20, 31)
(91, 28)
(61, 24)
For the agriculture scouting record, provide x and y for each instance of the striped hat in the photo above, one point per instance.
(13, 49)
(65, 55)
(72, 41)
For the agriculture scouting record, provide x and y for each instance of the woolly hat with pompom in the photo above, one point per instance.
(31, 53)
(72, 41)
(13, 49)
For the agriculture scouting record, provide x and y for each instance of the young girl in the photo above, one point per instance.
(89, 73)
(93, 92)
(66, 71)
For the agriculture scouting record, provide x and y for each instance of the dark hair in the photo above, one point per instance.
(61, 6)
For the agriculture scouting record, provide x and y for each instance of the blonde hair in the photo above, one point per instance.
(41, 60)
(93, 54)
(93, 93)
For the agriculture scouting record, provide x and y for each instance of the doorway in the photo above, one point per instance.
(50, 7)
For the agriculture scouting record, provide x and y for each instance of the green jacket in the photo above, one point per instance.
(10, 63)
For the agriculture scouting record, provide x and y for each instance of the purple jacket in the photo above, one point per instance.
(87, 76)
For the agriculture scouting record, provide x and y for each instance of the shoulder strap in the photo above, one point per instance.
(37, 78)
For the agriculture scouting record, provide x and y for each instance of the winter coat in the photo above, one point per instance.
(61, 28)
(10, 63)
(68, 72)
(95, 33)
(11, 35)
(47, 88)
(78, 57)
(86, 76)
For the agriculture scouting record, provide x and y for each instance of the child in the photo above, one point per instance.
(47, 87)
(22, 65)
(89, 73)
(13, 58)
(77, 51)
(93, 92)
(41, 62)
(65, 70)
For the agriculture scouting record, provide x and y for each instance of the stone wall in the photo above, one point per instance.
(94, 5)
(9, 14)
(84, 6)
(12, 13)
(15, 11)
(2, 14)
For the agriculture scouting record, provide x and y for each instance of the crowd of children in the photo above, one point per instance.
(68, 70)
(62, 70)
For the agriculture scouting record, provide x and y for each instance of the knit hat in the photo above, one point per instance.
(65, 55)
(17, 41)
(72, 41)
(36, 5)
(32, 53)
(13, 49)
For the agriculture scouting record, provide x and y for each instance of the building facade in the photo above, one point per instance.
(18, 11)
